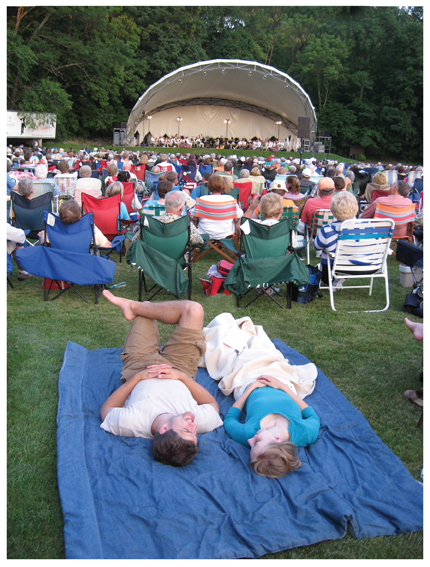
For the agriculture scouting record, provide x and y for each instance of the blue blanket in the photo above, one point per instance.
(119, 503)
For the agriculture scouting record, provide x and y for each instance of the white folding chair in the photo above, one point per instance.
(361, 252)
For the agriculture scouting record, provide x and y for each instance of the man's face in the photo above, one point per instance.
(184, 426)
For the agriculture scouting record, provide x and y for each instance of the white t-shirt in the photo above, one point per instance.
(149, 399)
(218, 229)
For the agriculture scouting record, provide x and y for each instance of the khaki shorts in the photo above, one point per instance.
(183, 351)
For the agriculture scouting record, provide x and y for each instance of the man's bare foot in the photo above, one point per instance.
(417, 329)
(124, 304)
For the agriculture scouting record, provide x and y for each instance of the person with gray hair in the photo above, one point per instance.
(40, 171)
(344, 206)
(85, 171)
(25, 188)
(397, 198)
(175, 203)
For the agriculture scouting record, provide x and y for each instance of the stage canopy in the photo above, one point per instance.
(205, 95)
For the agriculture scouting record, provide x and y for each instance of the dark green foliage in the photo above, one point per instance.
(362, 66)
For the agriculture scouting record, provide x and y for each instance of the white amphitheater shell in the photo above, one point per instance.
(252, 96)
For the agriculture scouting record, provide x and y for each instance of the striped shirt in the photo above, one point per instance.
(327, 239)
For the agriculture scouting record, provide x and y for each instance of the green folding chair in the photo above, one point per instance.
(162, 254)
(269, 259)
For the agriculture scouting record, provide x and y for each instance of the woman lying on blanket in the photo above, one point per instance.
(277, 421)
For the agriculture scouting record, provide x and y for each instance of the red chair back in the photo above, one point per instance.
(376, 193)
(105, 213)
(139, 171)
(102, 164)
(128, 195)
(245, 190)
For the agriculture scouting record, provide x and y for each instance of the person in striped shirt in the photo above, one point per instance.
(343, 206)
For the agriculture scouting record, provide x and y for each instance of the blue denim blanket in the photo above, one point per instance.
(119, 503)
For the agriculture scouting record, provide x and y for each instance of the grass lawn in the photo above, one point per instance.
(371, 357)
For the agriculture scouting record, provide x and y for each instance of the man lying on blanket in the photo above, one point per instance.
(159, 397)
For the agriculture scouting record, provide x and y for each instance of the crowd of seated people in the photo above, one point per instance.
(308, 184)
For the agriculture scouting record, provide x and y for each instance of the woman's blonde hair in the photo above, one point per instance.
(255, 171)
(271, 205)
(344, 206)
(115, 188)
(380, 178)
(278, 459)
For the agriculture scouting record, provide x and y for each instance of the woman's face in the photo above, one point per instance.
(274, 433)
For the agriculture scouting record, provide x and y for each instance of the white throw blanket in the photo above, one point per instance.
(238, 352)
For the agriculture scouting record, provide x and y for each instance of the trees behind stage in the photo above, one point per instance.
(361, 66)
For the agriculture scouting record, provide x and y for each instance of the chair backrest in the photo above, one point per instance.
(205, 169)
(215, 210)
(128, 196)
(66, 182)
(413, 176)
(103, 164)
(76, 237)
(151, 178)
(28, 213)
(378, 193)
(139, 171)
(41, 187)
(391, 175)
(245, 190)
(96, 193)
(105, 212)
(320, 218)
(153, 209)
(363, 245)
(400, 215)
(170, 239)
(189, 171)
(287, 213)
(262, 241)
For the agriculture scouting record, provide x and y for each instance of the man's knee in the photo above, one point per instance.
(193, 311)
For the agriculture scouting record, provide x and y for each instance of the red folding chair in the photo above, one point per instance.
(401, 216)
(139, 171)
(376, 193)
(102, 164)
(105, 212)
(128, 195)
(245, 190)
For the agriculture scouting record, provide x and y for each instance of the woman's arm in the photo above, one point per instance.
(278, 385)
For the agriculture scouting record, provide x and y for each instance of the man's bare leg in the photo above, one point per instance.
(417, 329)
(188, 314)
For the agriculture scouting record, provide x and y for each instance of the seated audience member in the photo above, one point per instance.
(271, 207)
(325, 194)
(243, 176)
(11, 182)
(397, 198)
(175, 202)
(277, 187)
(378, 183)
(270, 173)
(293, 189)
(163, 188)
(113, 189)
(65, 180)
(159, 398)
(258, 181)
(218, 228)
(344, 206)
(339, 184)
(305, 182)
(25, 188)
(228, 171)
(69, 213)
(126, 163)
(15, 237)
(40, 171)
(112, 170)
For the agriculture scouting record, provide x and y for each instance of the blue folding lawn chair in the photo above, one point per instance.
(68, 258)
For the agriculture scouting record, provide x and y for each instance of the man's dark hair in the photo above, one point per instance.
(163, 188)
(402, 188)
(331, 173)
(171, 449)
